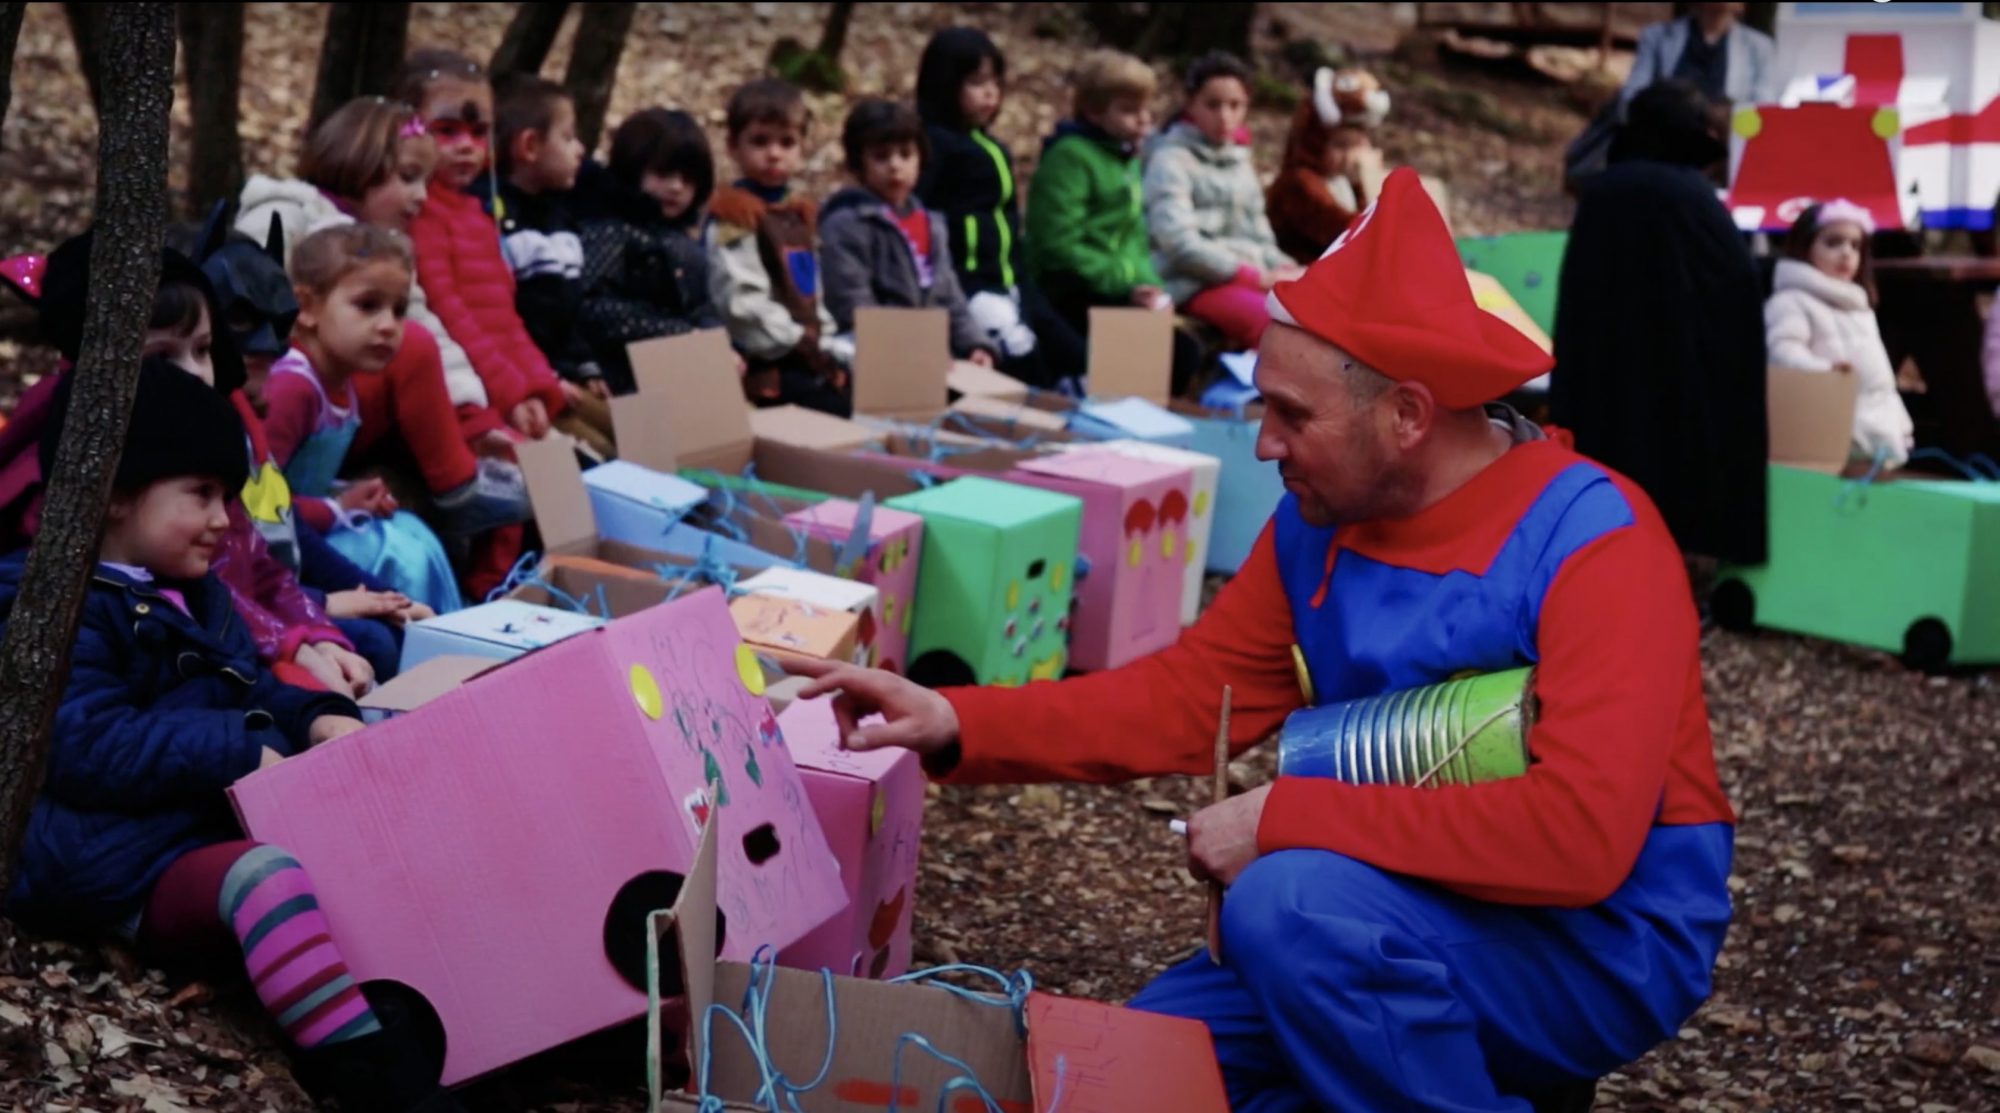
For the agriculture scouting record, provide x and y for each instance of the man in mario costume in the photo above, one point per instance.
(1465, 947)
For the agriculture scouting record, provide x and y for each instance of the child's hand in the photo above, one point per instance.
(530, 419)
(494, 442)
(1843, 367)
(326, 728)
(268, 757)
(363, 603)
(414, 611)
(353, 675)
(980, 356)
(742, 368)
(1151, 297)
(599, 389)
(371, 495)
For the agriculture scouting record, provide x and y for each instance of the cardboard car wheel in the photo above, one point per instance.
(1734, 606)
(625, 930)
(1927, 645)
(941, 668)
(400, 1008)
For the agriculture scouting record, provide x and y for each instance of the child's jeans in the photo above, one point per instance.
(1236, 308)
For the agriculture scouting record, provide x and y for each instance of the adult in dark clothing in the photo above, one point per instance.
(1660, 367)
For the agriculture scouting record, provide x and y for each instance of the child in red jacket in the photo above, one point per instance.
(459, 263)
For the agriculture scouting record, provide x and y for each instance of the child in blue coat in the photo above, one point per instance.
(165, 707)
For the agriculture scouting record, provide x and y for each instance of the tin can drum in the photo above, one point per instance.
(1458, 732)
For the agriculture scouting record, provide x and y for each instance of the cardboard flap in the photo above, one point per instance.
(971, 378)
(693, 923)
(424, 683)
(644, 426)
(1014, 414)
(902, 359)
(1105, 1059)
(796, 425)
(556, 493)
(1131, 353)
(1812, 418)
(708, 421)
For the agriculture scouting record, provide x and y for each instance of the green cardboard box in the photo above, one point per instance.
(994, 590)
(1907, 566)
(1901, 565)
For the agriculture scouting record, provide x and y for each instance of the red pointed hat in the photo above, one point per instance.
(1392, 291)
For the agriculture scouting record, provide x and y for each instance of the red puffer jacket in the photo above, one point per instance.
(471, 289)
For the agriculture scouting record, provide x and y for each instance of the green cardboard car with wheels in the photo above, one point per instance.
(1907, 566)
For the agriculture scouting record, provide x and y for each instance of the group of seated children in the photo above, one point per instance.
(323, 446)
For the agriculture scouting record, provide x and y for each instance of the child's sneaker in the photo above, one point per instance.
(495, 496)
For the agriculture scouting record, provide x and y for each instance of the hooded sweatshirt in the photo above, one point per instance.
(1086, 227)
(1814, 321)
(870, 260)
(1204, 212)
(301, 209)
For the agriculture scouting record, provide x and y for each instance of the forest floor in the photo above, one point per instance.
(1860, 972)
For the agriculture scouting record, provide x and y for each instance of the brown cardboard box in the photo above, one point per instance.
(791, 627)
(1811, 416)
(1102, 1058)
(423, 683)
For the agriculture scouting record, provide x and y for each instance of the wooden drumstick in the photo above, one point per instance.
(1221, 793)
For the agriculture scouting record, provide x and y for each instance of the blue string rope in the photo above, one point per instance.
(1968, 470)
(526, 573)
(1854, 491)
(522, 571)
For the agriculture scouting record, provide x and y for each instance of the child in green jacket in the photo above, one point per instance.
(1087, 242)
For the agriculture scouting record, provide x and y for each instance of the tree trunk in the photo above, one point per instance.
(212, 49)
(1763, 17)
(131, 208)
(10, 32)
(86, 22)
(593, 65)
(529, 36)
(364, 45)
(835, 36)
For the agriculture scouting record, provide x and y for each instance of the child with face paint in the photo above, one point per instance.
(458, 246)
(369, 161)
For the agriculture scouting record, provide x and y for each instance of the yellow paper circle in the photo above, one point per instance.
(1132, 554)
(1746, 123)
(1057, 575)
(1013, 594)
(1887, 123)
(646, 692)
(1167, 545)
(749, 670)
(1200, 503)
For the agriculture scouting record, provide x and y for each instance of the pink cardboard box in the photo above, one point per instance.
(1134, 527)
(871, 806)
(496, 850)
(895, 542)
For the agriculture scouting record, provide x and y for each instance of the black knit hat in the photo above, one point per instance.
(180, 426)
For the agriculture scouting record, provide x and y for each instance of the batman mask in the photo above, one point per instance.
(250, 284)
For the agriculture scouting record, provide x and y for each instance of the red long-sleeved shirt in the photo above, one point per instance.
(1622, 741)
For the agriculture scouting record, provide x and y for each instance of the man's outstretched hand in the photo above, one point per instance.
(916, 718)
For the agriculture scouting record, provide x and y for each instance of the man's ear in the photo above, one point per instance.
(1413, 411)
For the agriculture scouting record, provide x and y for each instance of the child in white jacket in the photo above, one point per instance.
(1821, 317)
